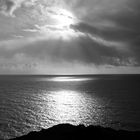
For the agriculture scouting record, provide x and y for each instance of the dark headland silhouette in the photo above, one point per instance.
(70, 132)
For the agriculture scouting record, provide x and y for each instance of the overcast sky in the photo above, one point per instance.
(69, 36)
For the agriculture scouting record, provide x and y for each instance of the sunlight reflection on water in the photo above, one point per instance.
(68, 106)
(65, 79)
(30, 103)
(69, 79)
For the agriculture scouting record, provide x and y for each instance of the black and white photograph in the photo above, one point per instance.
(69, 69)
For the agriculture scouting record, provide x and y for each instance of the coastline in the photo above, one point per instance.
(71, 132)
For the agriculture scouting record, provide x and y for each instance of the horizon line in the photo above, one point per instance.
(67, 74)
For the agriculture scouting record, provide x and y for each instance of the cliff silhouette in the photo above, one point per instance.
(70, 132)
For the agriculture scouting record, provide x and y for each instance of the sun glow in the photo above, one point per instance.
(58, 22)
(64, 18)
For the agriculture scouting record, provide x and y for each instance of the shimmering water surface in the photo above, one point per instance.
(30, 103)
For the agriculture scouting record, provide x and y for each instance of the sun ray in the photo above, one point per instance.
(58, 23)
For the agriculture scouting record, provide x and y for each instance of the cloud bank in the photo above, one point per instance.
(104, 38)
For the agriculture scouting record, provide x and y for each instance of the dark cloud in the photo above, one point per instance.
(125, 29)
(6, 6)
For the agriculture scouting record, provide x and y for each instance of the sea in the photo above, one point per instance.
(31, 103)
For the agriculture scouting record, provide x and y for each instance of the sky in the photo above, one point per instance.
(69, 36)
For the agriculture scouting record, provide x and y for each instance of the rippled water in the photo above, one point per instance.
(30, 103)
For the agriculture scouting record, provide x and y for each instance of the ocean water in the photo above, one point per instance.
(30, 103)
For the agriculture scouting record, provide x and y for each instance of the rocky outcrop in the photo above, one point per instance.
(70, 132)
